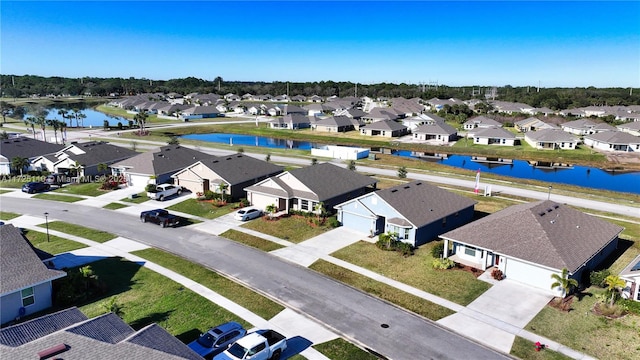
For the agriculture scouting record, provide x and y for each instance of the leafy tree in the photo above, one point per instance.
(4, 135)
(19, 163)
(222, 189)
(113, 306)
(402, 172)
(267, 158)
(564, 282)
(271, 209)
(314, 161)
(102, 167)
(5, 109)
(614, 284)
(173, 140)
(351, 165)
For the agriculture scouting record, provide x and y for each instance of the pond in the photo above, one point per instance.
(93, 118)
(567, 174)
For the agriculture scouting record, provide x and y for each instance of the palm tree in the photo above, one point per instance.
(141, 120)
(56, 125)
(402, 172)
(222, 188)
(352, 165)
(81, 117)
(74, 115)
(64, 113)
(19, 163)
(63, 131)
(614, 284)
(31, 121)
(564, 282)
(271, 209)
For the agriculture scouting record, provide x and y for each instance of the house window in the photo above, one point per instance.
(304, 205)
(406, 234)
(27, 297)
(504, 141)
(470, 251)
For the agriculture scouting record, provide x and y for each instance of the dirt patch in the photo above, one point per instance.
(469, 269)
(614, 312)
(623, 161)
(563, 304)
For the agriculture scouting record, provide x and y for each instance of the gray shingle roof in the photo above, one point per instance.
(337, 121)
(328, 181)
(20, 265)
(422, 203)
(238, 168)
(483, 120)
(614, 137)
(166, 159)
(435, 128)
(493, 132)
(544, 232)
(550, 135)
(97, 152)
(25, 147)
(385, 125)
(103, 337)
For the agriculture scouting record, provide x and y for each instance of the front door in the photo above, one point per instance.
(380, 225)
(497, 259)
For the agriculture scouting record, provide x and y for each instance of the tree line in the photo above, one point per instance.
(553, 98)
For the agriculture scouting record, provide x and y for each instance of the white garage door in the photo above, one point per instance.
(139, 181)
(261, 201)
(529, 274)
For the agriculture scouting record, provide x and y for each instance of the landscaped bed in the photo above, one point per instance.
(458, 286)
(293, 228)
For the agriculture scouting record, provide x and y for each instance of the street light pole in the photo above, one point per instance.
(549, 195)
(46, 219)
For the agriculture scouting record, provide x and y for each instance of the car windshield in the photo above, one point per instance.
(206, 340)
(237, 351)
(241, 212)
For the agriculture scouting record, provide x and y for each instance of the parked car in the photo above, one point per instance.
(217, 339)
(35, 187)
(164, 191)
(160, 217)
(247, 214)
(54, 179)
(258, 345)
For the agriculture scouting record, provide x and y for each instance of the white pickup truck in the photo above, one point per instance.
(258, 345)
(164, 191)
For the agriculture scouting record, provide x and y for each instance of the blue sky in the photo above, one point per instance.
(454, 43)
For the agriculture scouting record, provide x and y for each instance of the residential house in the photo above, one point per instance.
(632, 128)
(315, 99)
(232, 173)
(492, 136)
(200, 112)
(437, 132)
(613, 141)
(27, 148)
(631, 275)
(530, 242)
(232, 97)
(85, 159)
(336, 124)
(291, 122)
(579, 127)
(25, 281)
(480, 122)
(352, 113)
(572, 112)
(532, 124)
(281, 98)
(70, 335)
(551, 139)
(436, 104)
(511, 107)
(380, 114)
(384, 128)
(303, 189)
(156, 165)
(298, 98)
(171, 111)
(421, 119)
(416, 212)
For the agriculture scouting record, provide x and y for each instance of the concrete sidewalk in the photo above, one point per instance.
(291, 324)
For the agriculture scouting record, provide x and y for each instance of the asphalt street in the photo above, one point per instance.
(347, 311)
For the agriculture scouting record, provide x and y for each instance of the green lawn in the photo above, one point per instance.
(55, 245)
(5, 191)
(525, 349)
(203, 209)
(250, 240)
(54, 197)
(254, 302)
(455, 285)
(5, 215)
(405, 300)
(80, 231)
(87, 189)
(292, 228)
(114, 206)
(148, 297)
(139, 199)
(16, 182)
(582, 330)
(341, 349)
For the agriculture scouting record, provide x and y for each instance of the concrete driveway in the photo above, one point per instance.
(495, 316)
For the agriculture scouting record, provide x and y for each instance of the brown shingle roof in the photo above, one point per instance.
(544, 232)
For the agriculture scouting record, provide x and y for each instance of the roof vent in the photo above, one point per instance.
(542, 213)
(406, 187)
(215, 161)
(556, 206)
(394, 190)
(228, 158)
(54, 350)
(419, 183)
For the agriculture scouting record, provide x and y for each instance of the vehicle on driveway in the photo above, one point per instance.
(163, 191)
(217, 339)
(258, 345)
(160, 217)
(35, 187)
(54, 179)
(247, 213)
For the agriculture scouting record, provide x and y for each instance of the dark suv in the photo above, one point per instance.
(35, 187)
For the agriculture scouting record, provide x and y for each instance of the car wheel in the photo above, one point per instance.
(179, 192)
(143, 219)
(164, 224)
(160, 198)
(276, 355)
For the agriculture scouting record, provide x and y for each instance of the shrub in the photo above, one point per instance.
(597, 277)
(209, 195)
(437, 250)
(497, 274)
(150, 187)
(383, 244)
(442, 264)
(630, 305)
(404, 248)
(333, 222)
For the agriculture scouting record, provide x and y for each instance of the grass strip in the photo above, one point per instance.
(62, 198)
(342, 349)
(233, 291)
(87, 189)
(52, 244)
(80, 231)
(203, 209)
(386, 292)
(250, 240)
(6, 215)
(114, 206)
